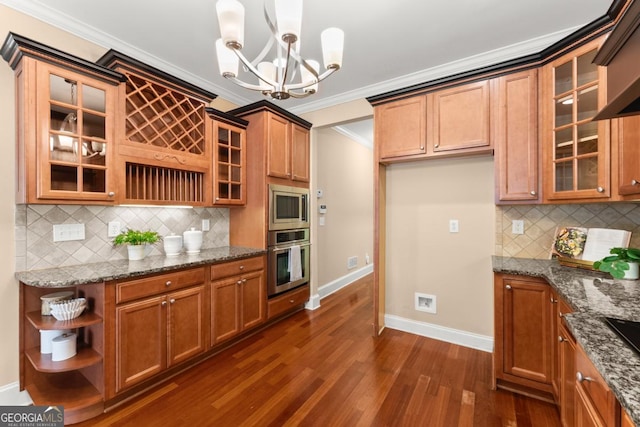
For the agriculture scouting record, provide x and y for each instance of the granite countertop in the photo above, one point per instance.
(593, 295)
(123, 269)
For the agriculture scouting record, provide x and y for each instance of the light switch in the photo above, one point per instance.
(453, 226)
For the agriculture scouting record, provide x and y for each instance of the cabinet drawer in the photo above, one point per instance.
(594, 386)
(288, 301)
(139, 288)
(233, 268)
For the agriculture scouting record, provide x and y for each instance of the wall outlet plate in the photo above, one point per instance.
(68, 232)
(517, 226)
(426, 303)
(113, 229)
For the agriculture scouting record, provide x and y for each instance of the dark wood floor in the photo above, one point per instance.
(323, 368)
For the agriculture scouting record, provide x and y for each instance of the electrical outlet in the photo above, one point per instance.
(352, 262)
(454, 226)
(517, 226)
(113, 229)
(425, 302)
(206, 225)
(67, 232)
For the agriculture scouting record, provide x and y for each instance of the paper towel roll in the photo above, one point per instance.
(46, 335)
(63, 347)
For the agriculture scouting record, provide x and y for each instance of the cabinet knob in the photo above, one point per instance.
(244, 281)
(600, 189)
(217, 199)
(560, 314)
(560, 339)
(533, 193)
(167, 283)
(581, 378)
(239, 282)
(508, 287)
(164, 303)
(553, 301)
(436, 145)
(242, 267)
(422, 148)
(291, 301)
(111, 194)
(172, 300)
(634, 182)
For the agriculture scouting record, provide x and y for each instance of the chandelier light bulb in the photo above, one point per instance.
(289, 19)
(332, 47)
(228, 61)
(267, 70)
(231, 21)
(308, 77)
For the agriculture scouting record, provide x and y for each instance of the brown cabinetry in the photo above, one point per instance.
(523, 348)
(287, 302)
(401, 128)
(157, 327)
(461, 118)
(66, 125)
(238, 297)
(163, 136)
(576, 150)
(229, 158)
(515, 98)
(595, 404)
(77, 383)
(627, 136)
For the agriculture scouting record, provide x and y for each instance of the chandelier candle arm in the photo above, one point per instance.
(278, 78)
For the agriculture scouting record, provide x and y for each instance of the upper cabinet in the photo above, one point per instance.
(516, 137)
(282, 139)
(627, 136)
(461, 118)
(163, 136)
(401, 128)
(65, 110)
(576, 149)
(229, 158)
(448, 122)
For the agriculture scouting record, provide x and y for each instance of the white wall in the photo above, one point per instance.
(345, 175)
(423, 256)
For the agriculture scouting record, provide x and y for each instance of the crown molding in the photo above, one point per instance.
(354, 136)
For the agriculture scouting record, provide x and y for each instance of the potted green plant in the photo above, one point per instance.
(621, 264)
(137, 242)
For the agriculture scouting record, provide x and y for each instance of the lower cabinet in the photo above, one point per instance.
(159, 322)
(523, 346)
(566, 368)
(238, 297)
(287, 302)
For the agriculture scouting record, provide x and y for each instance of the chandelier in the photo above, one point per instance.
(288, 74)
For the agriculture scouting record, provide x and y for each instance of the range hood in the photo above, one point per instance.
(620, 53)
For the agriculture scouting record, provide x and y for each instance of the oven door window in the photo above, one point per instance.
(282, 266)
(287, 207)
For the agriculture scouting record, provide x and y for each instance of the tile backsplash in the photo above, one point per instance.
(35, 248)
(540, 222)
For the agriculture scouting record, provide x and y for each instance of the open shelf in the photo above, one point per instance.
(49, 322)
(81, 400)
(85, 357)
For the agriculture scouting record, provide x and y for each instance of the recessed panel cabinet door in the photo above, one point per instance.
(401, 128)
(253, 299)
(186, 328)
(278, 155)
(225, 300)
(299, 153)
(461, 117)
(140, 341)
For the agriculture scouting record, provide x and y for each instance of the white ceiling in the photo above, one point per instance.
(388, 44)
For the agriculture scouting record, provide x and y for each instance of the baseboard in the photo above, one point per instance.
(313, 303)
(336, 285)
(442, 333)
(10, 395)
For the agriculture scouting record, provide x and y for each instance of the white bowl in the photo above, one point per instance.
(68, 310)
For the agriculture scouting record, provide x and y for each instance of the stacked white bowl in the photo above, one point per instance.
(67, 310)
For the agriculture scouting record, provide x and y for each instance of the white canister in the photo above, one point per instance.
(172, 245)
(63, 347)
(192, 240)
(46, 335)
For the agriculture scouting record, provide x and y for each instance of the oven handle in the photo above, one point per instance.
(289, 247)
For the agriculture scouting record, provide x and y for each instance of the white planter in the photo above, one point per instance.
(136, 252)
(633, 273)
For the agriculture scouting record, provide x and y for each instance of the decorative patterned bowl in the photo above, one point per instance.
(68, 310)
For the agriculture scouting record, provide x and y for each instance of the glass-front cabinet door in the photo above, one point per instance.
(76, 116)
(577, 158)
(229, 164)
